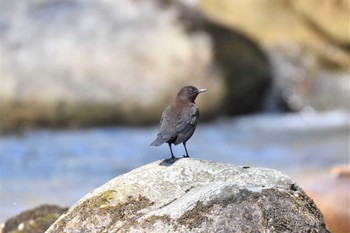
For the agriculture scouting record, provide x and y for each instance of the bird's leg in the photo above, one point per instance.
(171, 150)
(184, 143)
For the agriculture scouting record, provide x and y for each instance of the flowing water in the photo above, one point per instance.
(60, 166)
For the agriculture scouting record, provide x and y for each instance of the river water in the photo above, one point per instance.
(60, 166)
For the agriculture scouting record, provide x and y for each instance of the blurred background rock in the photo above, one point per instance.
(306, 42)
(78, 63)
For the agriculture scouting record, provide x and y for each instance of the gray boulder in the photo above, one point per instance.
(191, 195)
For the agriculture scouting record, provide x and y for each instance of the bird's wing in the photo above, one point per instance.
(161, 119)
(187, 124)
(163, 122)
(166, 131)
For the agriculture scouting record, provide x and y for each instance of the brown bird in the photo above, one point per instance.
(179, 119)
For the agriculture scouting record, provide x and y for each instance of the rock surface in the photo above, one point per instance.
(36, 220)
(191, 195)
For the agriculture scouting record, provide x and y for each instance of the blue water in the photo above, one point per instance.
(60, 166)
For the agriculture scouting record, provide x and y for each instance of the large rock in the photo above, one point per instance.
(121, 62)
(78, 62)
(191, 195)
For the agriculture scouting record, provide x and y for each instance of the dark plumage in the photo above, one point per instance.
(179, 119)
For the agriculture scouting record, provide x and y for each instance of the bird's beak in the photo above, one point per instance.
(202, 90)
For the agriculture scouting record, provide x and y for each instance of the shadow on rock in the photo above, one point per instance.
(169, 162)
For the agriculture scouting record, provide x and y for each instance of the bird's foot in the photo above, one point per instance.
(172, 157)
(186, 156)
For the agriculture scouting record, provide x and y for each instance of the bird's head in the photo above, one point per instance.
(189, 93)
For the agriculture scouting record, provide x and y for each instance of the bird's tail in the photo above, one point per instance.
(159, 141)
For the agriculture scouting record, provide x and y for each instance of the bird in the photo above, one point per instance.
(179, 120)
